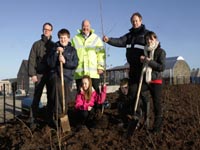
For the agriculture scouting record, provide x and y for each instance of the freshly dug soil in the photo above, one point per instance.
(180, 130)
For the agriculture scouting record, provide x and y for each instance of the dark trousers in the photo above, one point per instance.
(55, 106)
(133, 89)
(84, 116)
(39, 86)
(95, 84)
(156, 91)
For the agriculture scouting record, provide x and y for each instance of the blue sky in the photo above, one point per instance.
(176, 22)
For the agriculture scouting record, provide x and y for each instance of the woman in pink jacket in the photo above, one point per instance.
(87, 98)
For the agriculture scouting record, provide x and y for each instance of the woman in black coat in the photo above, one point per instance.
(154, 60)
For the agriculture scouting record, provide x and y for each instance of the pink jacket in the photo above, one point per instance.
(82, 104)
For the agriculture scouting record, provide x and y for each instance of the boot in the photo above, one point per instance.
(157, 124)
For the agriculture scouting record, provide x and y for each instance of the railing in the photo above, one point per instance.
(5, 109)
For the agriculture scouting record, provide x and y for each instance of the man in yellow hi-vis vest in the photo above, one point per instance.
(91, 54)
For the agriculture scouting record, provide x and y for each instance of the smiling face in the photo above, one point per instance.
(151, 39)
(64, 39)
(85, 84)
(136, 21)
(86, 28)
(47, 30)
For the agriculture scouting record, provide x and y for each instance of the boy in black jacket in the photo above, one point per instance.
(65, 54)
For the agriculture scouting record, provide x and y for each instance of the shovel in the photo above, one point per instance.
(135, 118)
(64, 120)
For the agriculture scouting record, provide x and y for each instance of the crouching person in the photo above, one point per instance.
(86, 99)
(123, 102)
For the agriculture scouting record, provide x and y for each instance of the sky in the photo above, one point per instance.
(176, 22)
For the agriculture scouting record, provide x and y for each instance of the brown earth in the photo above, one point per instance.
(180, 130)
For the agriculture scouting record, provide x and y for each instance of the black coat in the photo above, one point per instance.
(158, 63)
(130, 40)
(37, 62)
(69, 67)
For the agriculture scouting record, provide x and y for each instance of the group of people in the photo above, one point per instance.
(143, 53)
(49, 62)
(83, 58)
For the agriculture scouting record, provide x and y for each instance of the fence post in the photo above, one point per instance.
(4, 103)
(14, 88)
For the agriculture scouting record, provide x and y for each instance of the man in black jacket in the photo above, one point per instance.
(38, 69)
(134, 42)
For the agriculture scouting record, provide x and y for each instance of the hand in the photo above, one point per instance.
(99, 71)
(105, 39)
(60, 49)
(144, 59)
(62, 59)
(34, 79)
(89, 108)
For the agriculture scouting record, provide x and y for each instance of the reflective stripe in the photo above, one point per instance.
(79, 70)
(93, 44)
(77, 44)
(99, 48)
(128, 46)
(101, 63)
(138, 46)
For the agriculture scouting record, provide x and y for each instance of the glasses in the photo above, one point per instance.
(47, 29)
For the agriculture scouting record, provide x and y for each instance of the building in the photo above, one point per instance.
(22, 77)
(113, 75)
(7, 85)
(177, 71)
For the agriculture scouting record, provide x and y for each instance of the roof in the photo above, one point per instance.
(170, 62)
(125, 66)
(23, 68)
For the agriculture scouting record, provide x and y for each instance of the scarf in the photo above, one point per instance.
(150, 49)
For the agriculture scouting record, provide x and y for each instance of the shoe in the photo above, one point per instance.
(106, 104)
(120, 124)
(157, 125)
(34, 123)
(82, 128)
(52, 124)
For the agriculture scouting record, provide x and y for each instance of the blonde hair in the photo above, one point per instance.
(88, 92)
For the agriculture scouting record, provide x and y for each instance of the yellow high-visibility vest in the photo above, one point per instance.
(91, 54)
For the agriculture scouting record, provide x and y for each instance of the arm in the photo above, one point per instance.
(32, 61)
(102, 96)
(159, 64)
(118, 42)
(79, 102)
(71, 60)
(100, 55)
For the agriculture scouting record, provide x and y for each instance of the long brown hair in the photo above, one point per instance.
(88, 92)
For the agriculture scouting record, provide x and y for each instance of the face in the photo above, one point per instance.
(136, 22)
(124, 89)
(47, 30)
(86, 27)
(151, 41)
(64, 40)
(85, 84)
